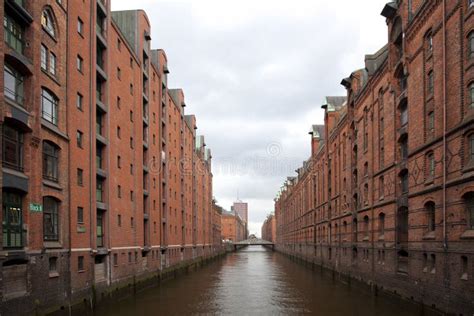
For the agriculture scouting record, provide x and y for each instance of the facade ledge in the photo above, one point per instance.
(429, 236)
(52, 184)
(101, 139)
(53, 128)
(101, 105)
(101, 205)
(468, 234)
(52, 245)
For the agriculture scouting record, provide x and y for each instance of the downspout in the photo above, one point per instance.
(445, 242)
(69, 164)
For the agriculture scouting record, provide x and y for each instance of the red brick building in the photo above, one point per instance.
(269, 228)
(233, 227)
(104, 180)
(387, 194)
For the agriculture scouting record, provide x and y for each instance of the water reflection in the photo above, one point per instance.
(256, 281)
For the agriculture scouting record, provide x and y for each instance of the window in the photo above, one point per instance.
(119, 73)
(404, 181)
(119, 191)
(429, 42)
(404, 147)
(50, 161)
(131, 196)
(53, 265)
(469, 202)
(430, 165)
(49, 104)
(115, 259)
(52, 64)
(471, 148)
(118, 102)
(433, 263)
(119, 220)
(99, 123)
(431, 124)
(99, 158)
(118, 132)
(12, 148)
(99, 191)
(80, 179)
(131, 89)
(13, 85)
(403, 114)
(430, 82)
(12, 220)
(100, 229)
(381, 224)
(119, 44)
(131, 116)
(119, 164)
(431, 216)
(80, 263)
(132, 223)
(366, 227)
(79, 101)
(470, 45)
(14, 34)
(79, 138)
(47, 22)
(50, 219)
(44, 57)
(79, 63)
(464, 268)
(80, 26)
(80, 215)
(471, 96)
(131, 142)
(131, 168)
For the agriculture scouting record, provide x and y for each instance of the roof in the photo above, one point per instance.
(335, 103)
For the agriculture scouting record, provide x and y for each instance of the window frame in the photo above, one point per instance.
(51, 208)
(47, 22)
(48, 96)
(50, 161)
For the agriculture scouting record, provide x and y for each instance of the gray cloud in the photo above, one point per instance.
(255, 73)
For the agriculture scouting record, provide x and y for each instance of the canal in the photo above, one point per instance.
(257, 281)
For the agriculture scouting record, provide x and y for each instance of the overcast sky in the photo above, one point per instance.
(255, 73)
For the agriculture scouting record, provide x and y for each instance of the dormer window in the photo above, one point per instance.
(47, 22)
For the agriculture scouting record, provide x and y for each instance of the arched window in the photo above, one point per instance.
(50, 219)
(49, 103)
(47, 22)
(50, 161)
(469, 204)
(381, 224)
(430, 216)
(430, 82)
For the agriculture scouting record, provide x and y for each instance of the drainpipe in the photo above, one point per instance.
(445, 243)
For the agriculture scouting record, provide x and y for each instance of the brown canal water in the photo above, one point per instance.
(257, 281)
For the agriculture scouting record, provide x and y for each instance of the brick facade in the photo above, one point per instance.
(104, 179)
(386, 196)
(269, 229)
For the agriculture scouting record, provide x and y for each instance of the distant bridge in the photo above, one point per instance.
(254, 242)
